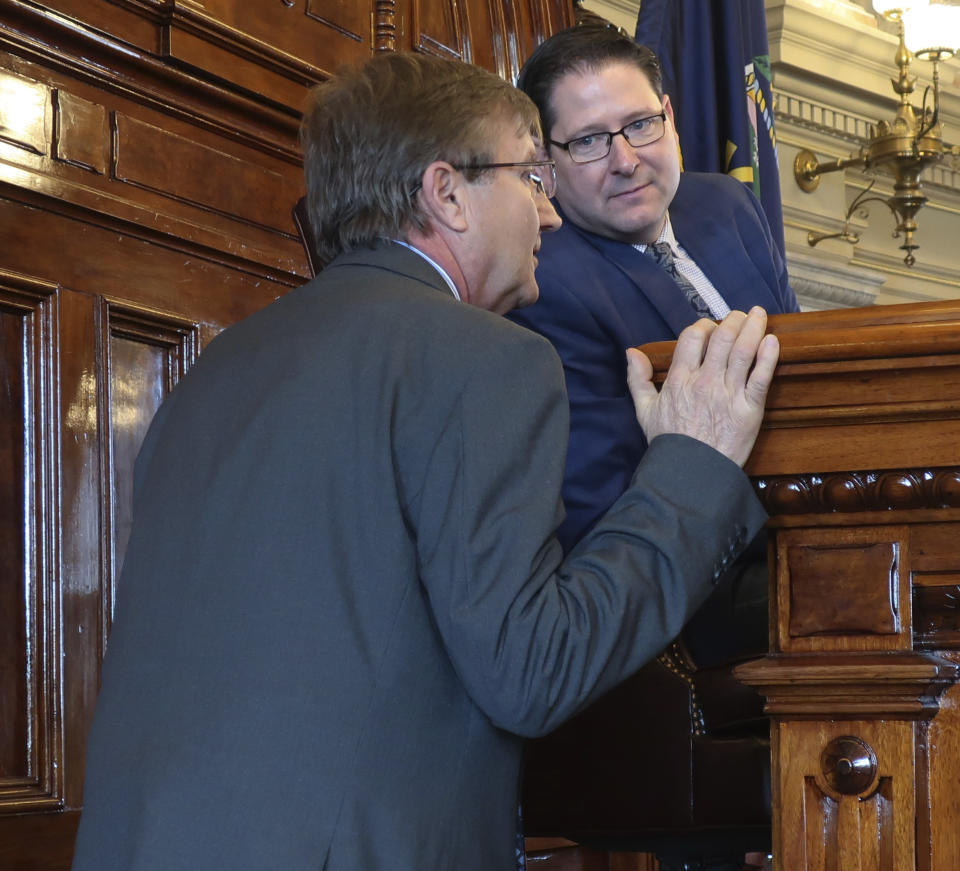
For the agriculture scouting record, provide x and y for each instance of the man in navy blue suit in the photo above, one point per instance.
(644, 250)
(603, 286)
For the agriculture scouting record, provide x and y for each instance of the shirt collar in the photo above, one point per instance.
(434, 264)
(666, 235)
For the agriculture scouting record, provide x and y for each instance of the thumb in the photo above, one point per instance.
(640, 380)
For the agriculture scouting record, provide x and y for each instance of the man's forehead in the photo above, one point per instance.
(514, 144)
(576, 90)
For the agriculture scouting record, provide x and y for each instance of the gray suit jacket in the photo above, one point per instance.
(343, 604)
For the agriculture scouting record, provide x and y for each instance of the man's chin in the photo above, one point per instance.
(524, 297)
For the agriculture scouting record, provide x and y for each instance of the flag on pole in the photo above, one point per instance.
(716, 70)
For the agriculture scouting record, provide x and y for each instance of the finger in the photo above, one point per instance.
(762, 375)
(717, 355)
(640, 378)
(689, 350)
(744, 350)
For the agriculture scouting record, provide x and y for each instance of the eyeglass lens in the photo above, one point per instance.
(545, 179)
(640, 132)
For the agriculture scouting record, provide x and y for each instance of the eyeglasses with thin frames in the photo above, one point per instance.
(543, 182)
(596, 146)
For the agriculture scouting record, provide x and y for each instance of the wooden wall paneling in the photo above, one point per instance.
(268, 47)
(121, 159)
(143, 355)
(95, 257)
(114, 60)
(81, 523)
(31, 733)
(495, 34)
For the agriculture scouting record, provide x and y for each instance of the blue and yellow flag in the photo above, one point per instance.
(716, 70)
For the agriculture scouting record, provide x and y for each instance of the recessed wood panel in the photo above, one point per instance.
(23, 112)
(15, 577)
(439, 28)
(272, 47)
(185, 170)
(823, 829)
(81, 132)
(145, 354)
(936, 610)
(842, 587)
(30, 735)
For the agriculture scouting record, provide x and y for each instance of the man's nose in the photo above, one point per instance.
(549, 219)
(623, 156)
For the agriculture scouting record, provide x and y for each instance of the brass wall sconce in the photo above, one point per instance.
(906, 146)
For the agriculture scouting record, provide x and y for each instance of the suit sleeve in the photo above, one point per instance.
(534, 637)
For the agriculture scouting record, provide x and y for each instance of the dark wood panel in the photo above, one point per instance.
(41, 842)
(270, 47)
(439, 28)
(31, 748)
(298, 36)
(14, 577)
(81, 132)
(144, 355)
(183, 169)
(101, 260)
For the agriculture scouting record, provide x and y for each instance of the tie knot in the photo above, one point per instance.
(662, 253)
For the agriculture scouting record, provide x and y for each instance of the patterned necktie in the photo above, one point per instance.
(664, 257)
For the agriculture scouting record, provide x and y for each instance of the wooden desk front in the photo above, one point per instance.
(858, 464)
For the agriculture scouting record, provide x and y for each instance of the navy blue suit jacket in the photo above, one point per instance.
(599, 297)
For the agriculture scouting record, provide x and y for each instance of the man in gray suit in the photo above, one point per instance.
(343, 604)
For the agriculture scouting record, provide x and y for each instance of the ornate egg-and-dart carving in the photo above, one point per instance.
(846, 492)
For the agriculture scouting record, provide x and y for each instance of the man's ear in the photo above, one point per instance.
(443, 194)
(668, 108)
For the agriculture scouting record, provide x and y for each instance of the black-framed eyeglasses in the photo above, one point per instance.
(594, 146)
(544, 182)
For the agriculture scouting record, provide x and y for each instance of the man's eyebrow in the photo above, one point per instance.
(593, 129)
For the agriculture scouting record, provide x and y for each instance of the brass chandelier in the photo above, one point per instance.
(913, 141)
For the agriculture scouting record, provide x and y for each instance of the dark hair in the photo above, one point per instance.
(370, 133)
(583, 48)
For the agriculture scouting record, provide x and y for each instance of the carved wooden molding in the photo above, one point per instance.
(856, 686)
(385, 25)
(854, 805)
(848, 492)
(33, 727)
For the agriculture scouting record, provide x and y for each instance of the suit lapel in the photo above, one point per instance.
(720, 251)
(646, 279)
